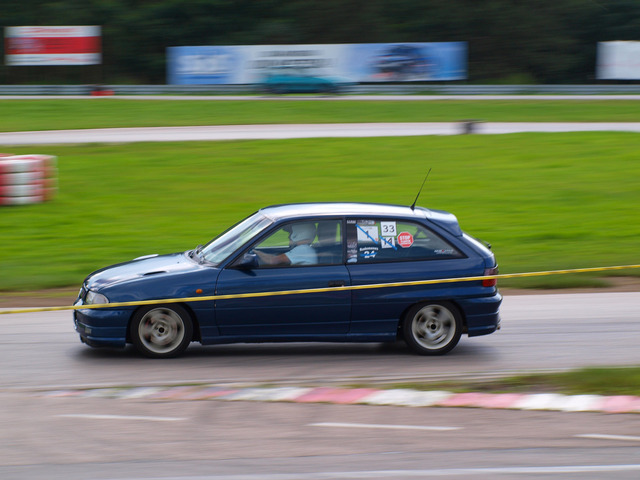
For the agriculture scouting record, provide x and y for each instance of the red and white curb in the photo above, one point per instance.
(370, 396)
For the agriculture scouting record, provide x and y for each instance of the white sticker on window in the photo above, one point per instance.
(388, 229)
(368, 253)
(368, 234)
(388, 242)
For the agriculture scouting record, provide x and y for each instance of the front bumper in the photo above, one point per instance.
(104, 327)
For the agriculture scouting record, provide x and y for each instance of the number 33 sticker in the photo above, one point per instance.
(388, 229)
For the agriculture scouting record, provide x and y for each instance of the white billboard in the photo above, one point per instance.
(72, 45)
(618, 60)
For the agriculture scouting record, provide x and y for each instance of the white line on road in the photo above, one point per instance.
(389, 427)
(94, 416)
(602, 436)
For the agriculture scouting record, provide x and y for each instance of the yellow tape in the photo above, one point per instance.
(317, 290)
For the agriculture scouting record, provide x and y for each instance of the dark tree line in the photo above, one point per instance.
(511, 41)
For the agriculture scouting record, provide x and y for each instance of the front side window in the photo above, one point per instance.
(384, 240)
(230, 241)
(302, 243)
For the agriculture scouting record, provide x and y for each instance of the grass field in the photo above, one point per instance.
(545, 201)
(18, 115)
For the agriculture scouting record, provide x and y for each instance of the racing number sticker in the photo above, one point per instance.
(389, 242)
(389, 232)
(388, 229)
(367, 234)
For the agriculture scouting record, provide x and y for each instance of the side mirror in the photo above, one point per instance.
(248, 261)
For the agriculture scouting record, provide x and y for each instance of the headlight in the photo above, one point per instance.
(93, 298)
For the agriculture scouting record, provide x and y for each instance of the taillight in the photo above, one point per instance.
(490, 282)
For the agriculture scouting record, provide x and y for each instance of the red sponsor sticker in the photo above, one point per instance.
(405, 239)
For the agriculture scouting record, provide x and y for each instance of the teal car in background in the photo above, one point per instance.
(292, 79)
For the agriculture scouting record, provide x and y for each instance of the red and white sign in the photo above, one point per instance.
(74, 45)
(405, 239)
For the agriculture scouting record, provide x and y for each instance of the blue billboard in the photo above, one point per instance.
(408, 62)
(365, 62)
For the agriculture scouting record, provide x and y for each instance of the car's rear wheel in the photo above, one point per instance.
(432, 328)
(161, 331)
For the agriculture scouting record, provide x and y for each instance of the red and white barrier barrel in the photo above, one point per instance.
(27, 179)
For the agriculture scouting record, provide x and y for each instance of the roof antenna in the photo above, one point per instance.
(413, 205)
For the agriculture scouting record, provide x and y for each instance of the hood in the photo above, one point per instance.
(143, 267)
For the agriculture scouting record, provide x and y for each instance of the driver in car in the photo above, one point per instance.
(301, 252)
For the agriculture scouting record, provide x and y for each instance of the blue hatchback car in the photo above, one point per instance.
(317, 272)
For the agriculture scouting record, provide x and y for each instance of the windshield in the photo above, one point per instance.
(218, 249)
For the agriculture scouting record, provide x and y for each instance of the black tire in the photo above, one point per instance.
(161, 331)
(432, 328)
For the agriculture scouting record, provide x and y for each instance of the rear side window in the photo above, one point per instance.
(388, 240)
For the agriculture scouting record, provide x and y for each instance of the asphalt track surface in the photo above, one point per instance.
(539, 333)
(272, 132)
(134, 435)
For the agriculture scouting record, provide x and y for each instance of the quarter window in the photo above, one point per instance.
(384, 240)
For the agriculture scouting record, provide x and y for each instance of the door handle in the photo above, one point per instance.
(336, 283)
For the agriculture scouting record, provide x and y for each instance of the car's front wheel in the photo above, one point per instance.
(432, 328)
(161, 331)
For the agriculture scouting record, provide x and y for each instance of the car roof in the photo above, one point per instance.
(277, 212)
(334, 209)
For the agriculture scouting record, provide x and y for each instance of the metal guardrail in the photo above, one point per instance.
(402, 89)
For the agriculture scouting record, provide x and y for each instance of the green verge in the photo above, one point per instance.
(23, 115)
(545, 201)
(586, 381)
